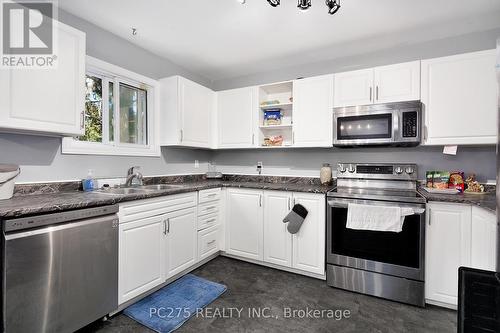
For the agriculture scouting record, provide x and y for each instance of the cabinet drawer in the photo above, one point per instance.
(136, 210)
(209, 195)
(208, 208)
(208, 221)
(208, 242)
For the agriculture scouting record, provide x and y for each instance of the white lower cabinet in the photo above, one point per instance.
(244, 223)
(277, 239)
(142, 256)
(309, 242)
(484, 239)
(456, 235)
(255, 229)
(181, 248)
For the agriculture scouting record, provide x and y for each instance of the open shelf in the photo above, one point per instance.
(281, 94)
(275, 126)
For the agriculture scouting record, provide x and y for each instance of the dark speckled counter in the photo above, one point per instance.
(24, 205)
(486, 201)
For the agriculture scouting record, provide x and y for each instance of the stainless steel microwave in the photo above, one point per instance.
(390, 124)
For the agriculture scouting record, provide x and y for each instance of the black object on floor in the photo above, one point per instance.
(479, 301)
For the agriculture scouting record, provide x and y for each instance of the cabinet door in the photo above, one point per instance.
(312, 111)
(56, 96)
(141, 260)
(244, 223)
(196, 103)
(484, 239)
(277, 239)
(397, 83)
(236, 110)
(353, 88)
(447, 248)
(182, 239)
(309, 243)
(460, 97)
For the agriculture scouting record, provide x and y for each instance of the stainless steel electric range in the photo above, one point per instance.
(378, 263)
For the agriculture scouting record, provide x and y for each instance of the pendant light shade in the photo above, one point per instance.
(333, 6)
(304, 4)
(274, 3)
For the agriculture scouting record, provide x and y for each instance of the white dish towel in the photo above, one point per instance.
(377, 218)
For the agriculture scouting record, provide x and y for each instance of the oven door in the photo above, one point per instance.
(364, 128)
(399, 254)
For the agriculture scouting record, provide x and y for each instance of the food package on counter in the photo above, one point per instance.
(429, 175)
(440, 179)
(457, 181)
(273, 140)
(272, 117)
(473, 185)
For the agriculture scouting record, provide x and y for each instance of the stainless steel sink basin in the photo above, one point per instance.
(160, 187)
(124, 190)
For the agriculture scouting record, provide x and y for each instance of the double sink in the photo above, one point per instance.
(138, 189)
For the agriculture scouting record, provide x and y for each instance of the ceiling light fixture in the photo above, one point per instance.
(333, 5)
(304, 4)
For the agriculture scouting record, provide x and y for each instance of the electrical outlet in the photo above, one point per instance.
(259, 167)
(196, 164)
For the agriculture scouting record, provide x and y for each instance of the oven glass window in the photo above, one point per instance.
(401, 248)
(365, 127)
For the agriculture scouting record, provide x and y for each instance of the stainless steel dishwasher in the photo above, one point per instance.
(59, 271)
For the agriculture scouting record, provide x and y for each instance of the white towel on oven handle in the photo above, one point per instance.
(377, 218)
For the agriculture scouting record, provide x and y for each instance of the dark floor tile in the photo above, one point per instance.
(256, 287)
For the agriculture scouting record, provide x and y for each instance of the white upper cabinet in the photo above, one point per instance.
(235, 112)
(384, 84)
(354, 88)
(244, 223)
(187, 109)
(47, 101)
(313, 116)
(484, 239)
(460, 97)
(397, 83)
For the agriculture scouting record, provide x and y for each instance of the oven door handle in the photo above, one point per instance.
(343, 203)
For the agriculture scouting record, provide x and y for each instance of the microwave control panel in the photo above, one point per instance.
(410, 121)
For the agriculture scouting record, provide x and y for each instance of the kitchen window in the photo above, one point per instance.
(119, 114)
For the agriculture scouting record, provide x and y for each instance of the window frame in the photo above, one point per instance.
(112, 73)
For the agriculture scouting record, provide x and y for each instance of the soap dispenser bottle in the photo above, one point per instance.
(89, 182)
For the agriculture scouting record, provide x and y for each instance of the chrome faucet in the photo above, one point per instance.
(132, 174)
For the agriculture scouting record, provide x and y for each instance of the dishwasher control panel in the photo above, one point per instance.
(56, 218)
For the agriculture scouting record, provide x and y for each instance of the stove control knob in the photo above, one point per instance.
(341, 168)
(398, 170)
(351, 168)
(409, 170)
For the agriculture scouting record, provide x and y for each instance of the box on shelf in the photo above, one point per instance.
(272, 116)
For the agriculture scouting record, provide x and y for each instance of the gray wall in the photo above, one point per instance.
(405, 52)
(307, 162)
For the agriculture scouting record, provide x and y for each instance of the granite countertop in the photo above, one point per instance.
(24, 205)
(486, 201)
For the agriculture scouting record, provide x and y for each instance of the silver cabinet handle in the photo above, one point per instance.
(253, 139)
(211, 242)
(289, 203)
(293, 138)
(210, 221)
(371, 93)
(212, 195)
(210, 208)
(164, 227)
(376, 93)
(182, 135)
(168, 225)
(260, 200)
